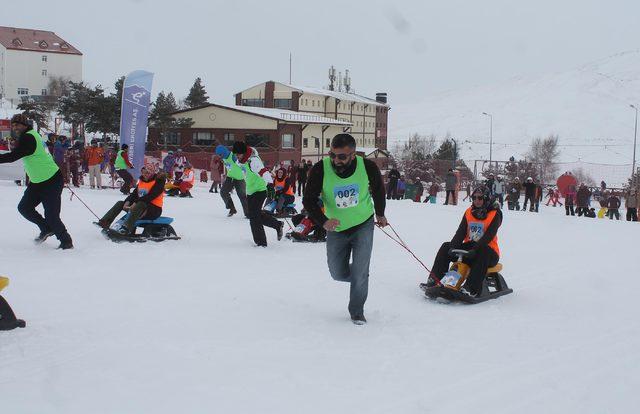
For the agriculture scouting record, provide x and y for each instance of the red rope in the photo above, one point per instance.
(85, 204)
(402, 244)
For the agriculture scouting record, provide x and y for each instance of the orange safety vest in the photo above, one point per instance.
(145, 187)
(192, 180)
(476, 229)
(283, 183)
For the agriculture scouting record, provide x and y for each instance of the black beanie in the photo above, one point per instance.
(239, 147)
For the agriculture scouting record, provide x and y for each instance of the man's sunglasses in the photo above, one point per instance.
(341, 157)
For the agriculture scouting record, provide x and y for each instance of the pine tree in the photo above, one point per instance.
(197, 95)
(38, 112)
(161, 112)
(448, 151)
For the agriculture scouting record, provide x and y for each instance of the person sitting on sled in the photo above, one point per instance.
(144, 202)
(182, 186)
(284, 192)
(306, 229)
(477, 233)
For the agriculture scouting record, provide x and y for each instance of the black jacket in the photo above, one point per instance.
(314, 188)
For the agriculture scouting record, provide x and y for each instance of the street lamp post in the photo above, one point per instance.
(490, 137)
(635, 136)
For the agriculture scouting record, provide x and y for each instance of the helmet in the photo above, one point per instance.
(529, 179)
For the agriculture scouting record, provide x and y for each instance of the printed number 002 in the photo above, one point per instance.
(346, 193)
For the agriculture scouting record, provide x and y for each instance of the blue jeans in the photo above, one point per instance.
(341, 246)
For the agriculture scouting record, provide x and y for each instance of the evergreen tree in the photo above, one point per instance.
(36, 111)
(77, 107)
(197, 95)
(448, 150)
(161, 112)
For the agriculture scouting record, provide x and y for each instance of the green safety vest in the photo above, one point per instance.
(120, 162)
(40, 165)
(233, 170)
(255, 183)
(346, 199)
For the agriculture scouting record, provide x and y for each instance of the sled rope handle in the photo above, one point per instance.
(402, 244)
(85, 204)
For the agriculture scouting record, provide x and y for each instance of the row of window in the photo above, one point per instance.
(208, 138)
(25, 92)
(327, 142)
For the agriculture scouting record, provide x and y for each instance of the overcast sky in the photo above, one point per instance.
(406, 48)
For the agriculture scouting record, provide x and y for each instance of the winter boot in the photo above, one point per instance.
(44, 235)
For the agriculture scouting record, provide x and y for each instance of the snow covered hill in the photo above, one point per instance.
(211, 324)
(587, 105)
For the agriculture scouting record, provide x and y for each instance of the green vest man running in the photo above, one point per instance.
(234, 180)
(352, 192)
(257, 178)
(45, 181)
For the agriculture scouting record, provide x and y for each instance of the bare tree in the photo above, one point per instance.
(583, 177)
(416, 148)
(545, 153)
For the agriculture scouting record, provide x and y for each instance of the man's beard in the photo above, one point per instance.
(341, 168)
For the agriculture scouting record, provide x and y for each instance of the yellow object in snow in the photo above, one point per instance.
(4, 282)
(602, 212)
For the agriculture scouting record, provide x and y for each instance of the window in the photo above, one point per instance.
(171, 138)
(44, 58)
(229, 138)
(306, 102)
(43, 92)
(282, 103)
(44, 72)
(327, 142)
(317, 143)
(287, 141)
(253, 102)
(257, 140)
(203, 138)
(23, 91)
(305, 143)
(313, 102)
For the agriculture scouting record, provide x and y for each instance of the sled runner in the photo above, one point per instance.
(300, 238)
(156, 230)
(8, 320)
(493, 286)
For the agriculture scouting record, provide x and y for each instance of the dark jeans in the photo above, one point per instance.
(392, 190)
(528, 198)
(581, 210)
(569, 209)
(284, 200)
(49, 194)
(355, 244)
(128, 181)
(214, 186)
(302, 184)
(632, 214)
(225, 193)
(258, 218)
(446, 197)
(140, 210)
(484, 259)
(500, 199)
(613, 212)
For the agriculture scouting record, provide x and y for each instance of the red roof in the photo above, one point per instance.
(35, 40)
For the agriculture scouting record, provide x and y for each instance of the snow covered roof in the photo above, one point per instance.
(291, 116)
(370, 150)
(343, 96)
(284, 115)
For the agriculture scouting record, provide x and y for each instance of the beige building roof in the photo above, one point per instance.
(343, 96)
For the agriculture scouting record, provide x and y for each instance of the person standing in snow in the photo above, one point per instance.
(179, 164)
(529, 194)
(498, 190)
(217, 170)
(613, 206)
(352, 192)
(121, 165)
(569, 200)
(234, 180)
(392, 186)
(450, 182)
(257, 178)
(631, 204)
(45, 182)
(167, 164)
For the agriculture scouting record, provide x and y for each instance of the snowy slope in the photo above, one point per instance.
(587, 105)
(211, 324)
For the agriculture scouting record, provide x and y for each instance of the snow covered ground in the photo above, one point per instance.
(211, 324)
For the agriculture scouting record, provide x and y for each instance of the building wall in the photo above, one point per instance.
(312, 132)
(24, 69)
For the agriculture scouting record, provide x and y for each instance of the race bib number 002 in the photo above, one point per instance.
(476, 231)
(347, 196)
